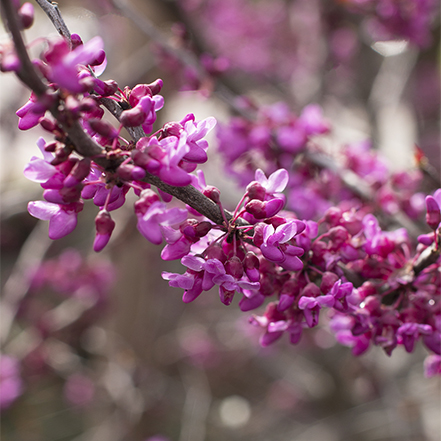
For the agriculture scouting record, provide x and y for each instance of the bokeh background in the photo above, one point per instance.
(99, 347)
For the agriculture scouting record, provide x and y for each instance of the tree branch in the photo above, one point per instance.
(52, 11)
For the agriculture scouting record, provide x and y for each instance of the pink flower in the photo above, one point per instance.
(62, 218)
(275, 249)
(30, 113)
(64, 65)
(195, 132)
(150, 221)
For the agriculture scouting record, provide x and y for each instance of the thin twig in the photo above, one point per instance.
(52, 11)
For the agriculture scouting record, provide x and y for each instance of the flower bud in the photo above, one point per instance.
(202, 228)
(130, 172)
(311, 290)
(61, 155)
(133, 117)
(99, 59)
(48, 124)
(26, 15)
(234, 267)
(433, 215)
(104, 227)
(105, 88)
(156, 86)
(171, 129)
(256, 191)
(141, 159)
(338, 236)
(251, 265)
(333, 216)
(273, 206)
(78, 173)
(256, 208)
(188, 228)
(212, 193)
(76, 41)
(328, 281)
(285, 302)
(103, 128)
(215, 252)
(258, 234)
(10, 62)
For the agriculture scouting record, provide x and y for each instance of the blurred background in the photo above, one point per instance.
(99, 347)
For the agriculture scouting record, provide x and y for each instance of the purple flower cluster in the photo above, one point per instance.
(271, 141)
(326, 253)
(171, 153)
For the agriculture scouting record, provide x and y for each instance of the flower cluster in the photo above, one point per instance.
(279, 138)
(326, 251)
(171, 153)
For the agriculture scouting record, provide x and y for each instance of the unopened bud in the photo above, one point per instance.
(99, 58)
(202, 228)
(105, 88)
(258, 234)
(338, 236)
(133, 117)
(256, 208)
(212, 193)
(103, 128)
(75, 40)
(61, 155)
(156, 86)
(234, 267)
(273, 206)
(215, 252)
(171, 129)
(256, 191)
(26, 15)
(333, 216)
(311, 290)
(433, 215)
(104, 227)
(48, 124)
(130, 172)
(78, 173)
(141, 159)
(10, 62)
(328, 281)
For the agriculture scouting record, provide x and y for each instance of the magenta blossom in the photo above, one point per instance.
(62, 218)
(195, 131)
(150, 222)
(276, 249)
(311, 307)
(64, 65)
(38, 169)
(30, 113)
